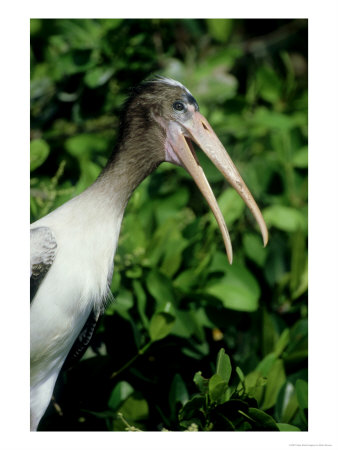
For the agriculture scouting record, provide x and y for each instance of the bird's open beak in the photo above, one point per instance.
(198, 129)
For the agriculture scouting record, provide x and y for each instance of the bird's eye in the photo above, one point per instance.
(178, 106)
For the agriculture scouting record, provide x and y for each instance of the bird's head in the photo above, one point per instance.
(162, 119)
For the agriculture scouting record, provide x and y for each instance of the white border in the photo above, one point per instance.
(14, 180)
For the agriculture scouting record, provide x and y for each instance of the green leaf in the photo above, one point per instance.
(299, 260)
(111, 24)
(169, 206)
(119, 394)
(83, 146)
(282, 342)
(89, 172)
(116, 281)
(238, 290)
(220, 29)
(173, 254)
(217, 389)
(287, 427)
(134, 272)
(234, 297)
(193, 408)
(35, 26)
(302, 393)
(178, 392)
(201, 382)
(186, 325)
(269, 85)
(223, 365)
(287, 404)
(186, 280)
(303, 283)
(135, 408)
(254, 385)
(141, 301)
(269, 333)
(98, 76)
(39, 151)
(218, 263)
(254, 249)
(300, 158)
(231, 206)
(211, 172)
(124, 301)
(267, 120)
(266, 364)
(161, 325)
(285, 218)
(297, 349)
(160, 287)
(275, 380)
(262, 419)
(240, 374)
(243, 426)
(133, 239)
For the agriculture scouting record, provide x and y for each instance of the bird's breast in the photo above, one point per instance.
(77, 281)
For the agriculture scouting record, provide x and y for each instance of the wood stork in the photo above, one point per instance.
(73, 247)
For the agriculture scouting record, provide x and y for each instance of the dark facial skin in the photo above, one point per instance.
(140, 144)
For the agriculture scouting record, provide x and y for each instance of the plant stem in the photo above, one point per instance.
(128, 363)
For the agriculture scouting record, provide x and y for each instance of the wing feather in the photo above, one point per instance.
(43, 251)
(83, 340)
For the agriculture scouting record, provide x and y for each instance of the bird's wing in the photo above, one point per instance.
(83, 340)
(43, 251)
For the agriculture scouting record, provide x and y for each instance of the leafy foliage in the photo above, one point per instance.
(178, 302)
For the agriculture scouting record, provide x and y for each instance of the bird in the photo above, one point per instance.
(73, 247)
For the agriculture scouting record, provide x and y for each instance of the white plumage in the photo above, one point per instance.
(86, 230)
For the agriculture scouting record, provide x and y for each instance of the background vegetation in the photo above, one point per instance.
(189, 342)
